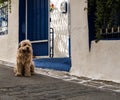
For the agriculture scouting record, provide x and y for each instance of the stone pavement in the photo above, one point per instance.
(53, 85)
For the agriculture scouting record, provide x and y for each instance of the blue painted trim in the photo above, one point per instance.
(22, 20)
(61, 64)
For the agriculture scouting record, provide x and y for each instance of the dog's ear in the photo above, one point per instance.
(19, 46)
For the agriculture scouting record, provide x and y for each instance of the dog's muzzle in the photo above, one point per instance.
(27, 49)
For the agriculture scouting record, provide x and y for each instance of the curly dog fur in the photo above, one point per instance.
(24, 63)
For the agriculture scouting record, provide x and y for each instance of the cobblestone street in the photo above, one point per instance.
(44, 87)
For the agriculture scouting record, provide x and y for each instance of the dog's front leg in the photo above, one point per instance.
(18, 70)
(32, 68)
(27, 70)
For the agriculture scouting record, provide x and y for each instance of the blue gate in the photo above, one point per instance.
(34, 16)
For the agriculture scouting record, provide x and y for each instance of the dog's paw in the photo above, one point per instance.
(18, 74)
(32, 72)
(27, 75)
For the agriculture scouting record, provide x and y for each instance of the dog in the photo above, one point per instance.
(24, 59)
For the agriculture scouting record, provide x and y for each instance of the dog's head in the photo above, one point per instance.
(25, 47)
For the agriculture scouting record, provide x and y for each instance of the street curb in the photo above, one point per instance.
(7, 63)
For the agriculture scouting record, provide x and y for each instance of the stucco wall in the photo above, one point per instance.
(79, 35)
(102, 61)
(9, 42)
(59, 22)
(3, 47)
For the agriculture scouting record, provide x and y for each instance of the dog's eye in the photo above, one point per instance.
(28, 45)
(24, 45)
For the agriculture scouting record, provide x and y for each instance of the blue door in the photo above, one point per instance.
(34, 24)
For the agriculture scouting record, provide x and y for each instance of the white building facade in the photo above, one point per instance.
(101, 61)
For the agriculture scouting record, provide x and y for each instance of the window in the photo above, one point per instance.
(104, 19)
(4, 18)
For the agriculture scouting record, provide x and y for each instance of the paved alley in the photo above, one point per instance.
(43, 87)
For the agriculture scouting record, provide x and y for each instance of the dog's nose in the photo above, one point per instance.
(27, 48)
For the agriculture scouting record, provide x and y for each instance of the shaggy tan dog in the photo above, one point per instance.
(24, 63)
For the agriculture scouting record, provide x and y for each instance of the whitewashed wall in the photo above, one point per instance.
(79, 35)
(103, 60)
(59, 22)
(9, 42)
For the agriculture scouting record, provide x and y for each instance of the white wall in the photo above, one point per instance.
(9, 42)
(3, 47)
(59, 22)
(79, 35)
(103, 60)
